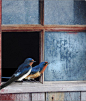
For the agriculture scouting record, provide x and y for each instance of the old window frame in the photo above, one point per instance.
(49, 86)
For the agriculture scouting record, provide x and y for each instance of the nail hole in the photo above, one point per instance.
(52, 98)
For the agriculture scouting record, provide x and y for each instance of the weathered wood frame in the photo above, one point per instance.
(44, 86)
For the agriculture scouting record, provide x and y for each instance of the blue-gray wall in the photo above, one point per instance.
(20, 11)
(65, 12)
(66, 53)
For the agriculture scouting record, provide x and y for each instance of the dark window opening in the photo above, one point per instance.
(16, 47)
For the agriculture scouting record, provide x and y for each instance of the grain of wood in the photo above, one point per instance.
(83, 96)
(25, 28)
(46, 87)
(7, 97)
(54, 96)
(72, 96)
(38, 96)
(23, 97)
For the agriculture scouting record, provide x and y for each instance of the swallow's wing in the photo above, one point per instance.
(35, 69)
(20, 68)
(19, 73)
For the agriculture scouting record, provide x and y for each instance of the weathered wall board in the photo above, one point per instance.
(65, 96)
(83, 96)
(66, 53)
(72, 96)
(15, 97)
(38, 96)
(54, 96)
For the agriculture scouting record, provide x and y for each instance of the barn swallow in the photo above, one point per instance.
(37, 70)
(22, 71)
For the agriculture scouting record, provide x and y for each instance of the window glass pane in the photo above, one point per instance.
(65, 12)
(20, 11)
(66, 53)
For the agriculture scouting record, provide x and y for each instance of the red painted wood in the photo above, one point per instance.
(0, 40)
(7, 97)
(15, 97)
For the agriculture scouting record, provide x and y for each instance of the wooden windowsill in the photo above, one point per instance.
(46, 87)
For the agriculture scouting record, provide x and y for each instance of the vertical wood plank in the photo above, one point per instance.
(0, 39)
(54, 96)
(72, 96)
(0, 97)
(15, 97)
(22, 97)
(83, 96)
(7, 97)
(63, 96)
(38, 96)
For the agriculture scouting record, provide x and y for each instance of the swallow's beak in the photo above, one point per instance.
(47, 63)
(33, 61)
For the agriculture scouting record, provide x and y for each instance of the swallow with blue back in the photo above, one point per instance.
(22, 72)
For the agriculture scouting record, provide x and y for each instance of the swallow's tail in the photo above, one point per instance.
(7, 83)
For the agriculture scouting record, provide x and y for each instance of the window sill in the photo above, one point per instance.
(46, 87)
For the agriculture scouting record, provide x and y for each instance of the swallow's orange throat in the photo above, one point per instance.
(43, 69)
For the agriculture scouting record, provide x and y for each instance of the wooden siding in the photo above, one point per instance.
(15, 97)
(83, 96)
(53, 96)
(63, 96)
(38, 96)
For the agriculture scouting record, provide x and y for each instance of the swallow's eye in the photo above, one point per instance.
(45, 63)
(30, 60)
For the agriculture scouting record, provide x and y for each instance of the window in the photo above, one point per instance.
(61, 25)
(16, 47)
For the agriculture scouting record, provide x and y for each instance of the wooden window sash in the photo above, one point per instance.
(49, 28)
